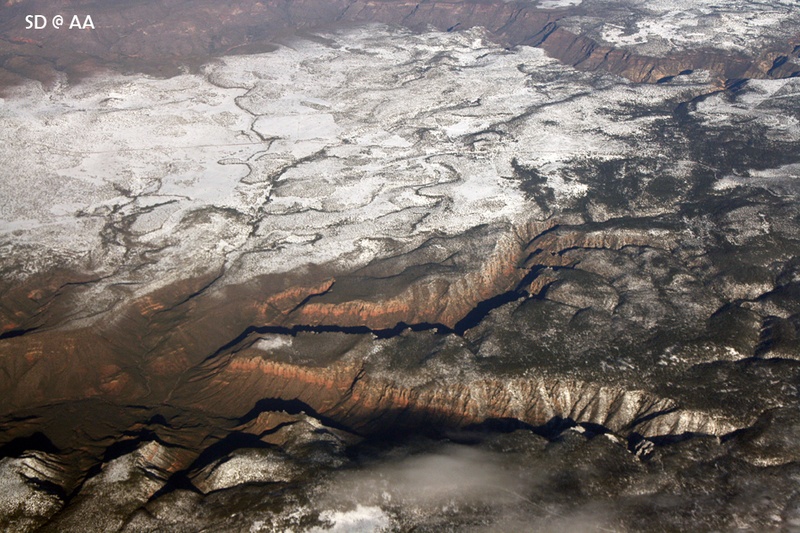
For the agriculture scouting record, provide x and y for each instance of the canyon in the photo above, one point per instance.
(399, 266)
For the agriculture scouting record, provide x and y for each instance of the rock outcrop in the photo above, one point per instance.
(349, 395)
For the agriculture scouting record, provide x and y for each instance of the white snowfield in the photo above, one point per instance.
(317, 153)
(661, 27)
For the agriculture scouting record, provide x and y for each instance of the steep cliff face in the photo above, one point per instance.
(368, 404)
(586, 53)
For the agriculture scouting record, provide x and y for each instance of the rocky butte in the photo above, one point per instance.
(400, 266)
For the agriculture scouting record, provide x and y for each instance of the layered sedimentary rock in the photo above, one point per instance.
(586, 53)
(164, 334)
(351, 396)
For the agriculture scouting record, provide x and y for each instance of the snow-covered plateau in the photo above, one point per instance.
(332, 150)
(665, 27)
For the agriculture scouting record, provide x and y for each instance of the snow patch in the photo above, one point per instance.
(268, 343)
(556, 4)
